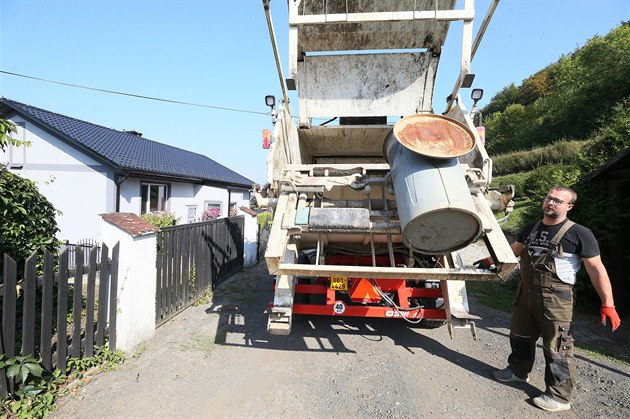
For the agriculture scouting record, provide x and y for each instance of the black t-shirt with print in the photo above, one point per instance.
(578, 240)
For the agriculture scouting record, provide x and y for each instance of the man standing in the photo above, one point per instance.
(551, 252)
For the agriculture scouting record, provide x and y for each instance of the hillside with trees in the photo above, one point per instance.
(561, 124)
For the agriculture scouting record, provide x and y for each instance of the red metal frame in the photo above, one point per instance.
(334, 306)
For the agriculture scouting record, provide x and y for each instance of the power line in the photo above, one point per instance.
(132, 94)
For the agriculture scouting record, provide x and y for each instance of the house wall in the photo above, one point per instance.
(135, 294)
(82, 187)
(182, 195)
(77, 185)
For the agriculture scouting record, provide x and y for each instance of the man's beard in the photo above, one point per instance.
(552, 213)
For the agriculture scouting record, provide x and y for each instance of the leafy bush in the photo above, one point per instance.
(505, 97)
(264, 219)
(563, 151)
(160, 218)
(28, 218)
(37, 389)
(6, 129)
(612, 138)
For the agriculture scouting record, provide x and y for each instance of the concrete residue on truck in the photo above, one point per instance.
(377, 207)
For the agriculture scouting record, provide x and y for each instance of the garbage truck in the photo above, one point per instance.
(382, 205)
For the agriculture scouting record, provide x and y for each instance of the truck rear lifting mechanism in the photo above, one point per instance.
(383, 207)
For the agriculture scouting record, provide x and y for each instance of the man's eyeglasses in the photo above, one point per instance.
(555, 201)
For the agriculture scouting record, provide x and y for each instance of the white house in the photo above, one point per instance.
(85, 170)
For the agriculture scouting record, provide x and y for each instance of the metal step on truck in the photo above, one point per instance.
(381, 206)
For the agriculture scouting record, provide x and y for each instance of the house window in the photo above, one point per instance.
(212, 204)
(192, 213)
(154, 197)
(212, 210)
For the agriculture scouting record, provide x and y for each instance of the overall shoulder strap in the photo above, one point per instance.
(562, 231)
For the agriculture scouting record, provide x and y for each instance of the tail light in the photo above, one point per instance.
(266, 138)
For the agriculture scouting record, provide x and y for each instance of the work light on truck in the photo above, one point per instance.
(270, 101)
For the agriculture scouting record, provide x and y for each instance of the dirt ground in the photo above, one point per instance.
(216, 360)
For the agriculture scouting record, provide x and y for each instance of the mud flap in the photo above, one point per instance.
(456, 306)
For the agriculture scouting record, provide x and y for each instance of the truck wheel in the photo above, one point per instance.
(431, 324)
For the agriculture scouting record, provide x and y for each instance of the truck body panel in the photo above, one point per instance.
(383, 208)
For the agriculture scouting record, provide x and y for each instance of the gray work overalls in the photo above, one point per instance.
(543, 306)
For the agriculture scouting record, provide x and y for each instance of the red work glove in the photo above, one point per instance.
(486, 263)
(611, 313)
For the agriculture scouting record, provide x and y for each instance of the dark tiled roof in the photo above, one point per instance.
(130, 152)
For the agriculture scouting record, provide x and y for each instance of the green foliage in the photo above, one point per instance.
(500, 101)
(507, 130)
(607, 216)
(516, 179)
(532, 186)
(102, 357)
(35, 396)
(600, 211)
(21, 367)
(161, 218)
(584, 96)
(265, 219)
(562, 151)
(6, 128)
(538, 183)
(519, 217)
(565, 100)
(612, 138)
(535, 87)
(498, 295)
(38, 390)
(28, 218)
(590, 81)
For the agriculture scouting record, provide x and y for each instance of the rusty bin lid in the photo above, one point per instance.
(434, 136)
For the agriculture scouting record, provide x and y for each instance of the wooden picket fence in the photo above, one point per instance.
(36, 309)
(192, 258)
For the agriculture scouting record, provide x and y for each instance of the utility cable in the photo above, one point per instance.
(131, 94)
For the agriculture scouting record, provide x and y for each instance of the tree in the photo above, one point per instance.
(566, 100)
(500, 101)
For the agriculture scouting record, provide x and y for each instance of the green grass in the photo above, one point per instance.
(497, 295)
(202, 343)
(610, 353)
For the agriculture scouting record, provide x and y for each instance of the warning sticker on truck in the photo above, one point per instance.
(339, 307)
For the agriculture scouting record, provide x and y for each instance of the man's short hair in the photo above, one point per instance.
(566, 189)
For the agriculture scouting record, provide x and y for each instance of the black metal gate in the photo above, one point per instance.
(193, 257)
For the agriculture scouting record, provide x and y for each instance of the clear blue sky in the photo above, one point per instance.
(218, 53)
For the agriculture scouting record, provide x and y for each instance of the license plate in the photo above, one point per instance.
(339, 283)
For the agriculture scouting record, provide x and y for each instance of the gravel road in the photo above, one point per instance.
(216, 360)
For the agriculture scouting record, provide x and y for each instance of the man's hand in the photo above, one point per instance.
(611, 313)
